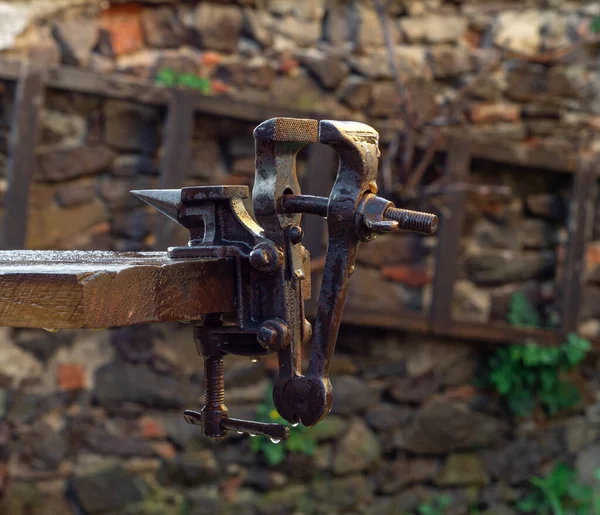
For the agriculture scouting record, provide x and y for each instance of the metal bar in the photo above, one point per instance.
(176, 150)
(95, 290)
(457, 166)
(581, 217)
(21, 154)
(307, 204)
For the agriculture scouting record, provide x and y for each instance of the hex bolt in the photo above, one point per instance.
(415, 221)
(260, 258)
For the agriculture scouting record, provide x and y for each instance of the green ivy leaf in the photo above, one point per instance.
(582, 494)
(274, 454)
(167, 77)
(529, 504)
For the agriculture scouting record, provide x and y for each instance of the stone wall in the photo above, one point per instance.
(85, 412)
(91, 421)
(516, 71)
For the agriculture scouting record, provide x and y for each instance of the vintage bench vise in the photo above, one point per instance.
(271, 267)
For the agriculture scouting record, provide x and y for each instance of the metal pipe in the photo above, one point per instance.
(307, 204)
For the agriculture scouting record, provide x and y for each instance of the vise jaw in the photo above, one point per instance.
(272, 268)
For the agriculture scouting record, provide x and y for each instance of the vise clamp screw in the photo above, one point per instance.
(272, 268)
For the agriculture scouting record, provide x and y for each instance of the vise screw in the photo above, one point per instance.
(272, 268)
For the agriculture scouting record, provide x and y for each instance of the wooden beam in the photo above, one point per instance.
(320, 172)
(448, 247)
(507, 152)
(492, 332)
(21, 154)
(175, 155)
(121, 87)
(94, 290)
(581, 222)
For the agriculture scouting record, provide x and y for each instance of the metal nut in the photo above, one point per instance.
(273, 335)
(259, 258)
(265, 257)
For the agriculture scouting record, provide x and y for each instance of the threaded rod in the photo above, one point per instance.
(415, 221)
(214, 380)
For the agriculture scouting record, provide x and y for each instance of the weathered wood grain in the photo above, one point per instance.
(451, 222)
(490, 333)
(93, 290)
(21, 154)
(67, 78)
(581, 224)
(175, 158)
(121, 87)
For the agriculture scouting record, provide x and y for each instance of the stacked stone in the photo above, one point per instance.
(94, 411)
(89, 411)
(508, 73)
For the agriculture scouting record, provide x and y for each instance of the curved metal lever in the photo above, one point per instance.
(308, 398)
(277, 143)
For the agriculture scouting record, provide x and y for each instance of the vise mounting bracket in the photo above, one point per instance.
(272, 268)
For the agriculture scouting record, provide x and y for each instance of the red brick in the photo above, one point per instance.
(211, 58)
(152, 428)
(164, 450)
(219, 87)
(71, 377)
(414, 277)
(592, 255)
(493, 112)
(288, 65)
(464, 393)
(124, 25)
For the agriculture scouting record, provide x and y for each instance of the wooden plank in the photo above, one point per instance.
(493, 332)
(21, 154)
(320, 172)
(76, 289)
(175, 157)
(451, 223)
(121, 87)
(581, 222)
(506, 152)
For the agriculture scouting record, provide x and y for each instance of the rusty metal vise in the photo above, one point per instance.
(272, 268)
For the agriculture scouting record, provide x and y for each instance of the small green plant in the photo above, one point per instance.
(595, 25)
(560, 493)
(170, 78)
(529, 375)
(436, 506)
(521, 313)
(300, 441)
